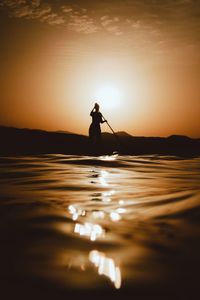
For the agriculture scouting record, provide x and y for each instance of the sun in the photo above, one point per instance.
(108, 96)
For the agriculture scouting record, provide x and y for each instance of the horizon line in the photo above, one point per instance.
(103, 132)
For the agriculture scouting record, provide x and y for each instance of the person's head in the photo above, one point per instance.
(96, 106)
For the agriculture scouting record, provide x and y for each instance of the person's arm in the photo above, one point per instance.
(103, 121)
(92, 112)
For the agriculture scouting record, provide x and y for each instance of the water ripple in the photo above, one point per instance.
(115, 218)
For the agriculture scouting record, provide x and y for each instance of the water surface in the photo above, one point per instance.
(109, 225)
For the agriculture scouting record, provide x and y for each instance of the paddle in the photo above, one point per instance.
(116, 136)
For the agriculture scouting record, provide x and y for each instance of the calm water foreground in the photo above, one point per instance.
(108, 226)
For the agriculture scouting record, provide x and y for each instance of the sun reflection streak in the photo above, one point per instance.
(106, 196)
(109, 193)
(98, 214)
(102, 178)
(108, 157)
(93, 231)
(76, 212)
(106, 266)
(115, 216)
(121, 210)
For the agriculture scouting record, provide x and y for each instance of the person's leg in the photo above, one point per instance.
(92, 133)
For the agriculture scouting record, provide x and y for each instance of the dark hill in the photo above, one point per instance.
(179, 138)
(16, 141)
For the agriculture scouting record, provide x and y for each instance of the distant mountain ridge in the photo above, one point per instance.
(174, 136)
(15, 141)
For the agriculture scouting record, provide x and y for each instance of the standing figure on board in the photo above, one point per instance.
(95, 128)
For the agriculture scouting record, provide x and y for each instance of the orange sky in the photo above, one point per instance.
(139, 59)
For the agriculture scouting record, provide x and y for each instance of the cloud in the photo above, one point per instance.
(114, 29)
(42, 12)
(139, 17)
(75, 20)
(82, 23)
(12, 3)
(35, 3)
(73, 17)
(27, 9)
(24, 11)
(78, 20)
(66, 8)
(39, 13)
(33, 9)
(110, 24)
(52, 19)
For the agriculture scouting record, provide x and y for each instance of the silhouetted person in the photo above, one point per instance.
(95, 128)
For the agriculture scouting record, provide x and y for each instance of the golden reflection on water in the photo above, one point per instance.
(98, 214)
(106, 196)
(114, 216)
(121, 202)
(93, 231)
(121, 209)
(108, 157)
(102, 178)
(76, 212)
(106, 266)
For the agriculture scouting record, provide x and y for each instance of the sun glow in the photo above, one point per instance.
(108, 96)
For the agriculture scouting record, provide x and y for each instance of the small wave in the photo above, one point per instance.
(67, 215)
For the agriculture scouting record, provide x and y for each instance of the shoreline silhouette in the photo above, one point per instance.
(16, 141)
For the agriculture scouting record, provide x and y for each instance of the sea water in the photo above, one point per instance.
(105, 223)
